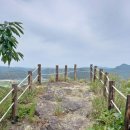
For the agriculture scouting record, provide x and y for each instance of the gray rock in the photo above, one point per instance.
(49, 95)
(28, 127)
(68, 91)
(71, 105)
(45, 109)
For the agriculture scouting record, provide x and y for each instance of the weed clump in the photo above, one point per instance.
(107, 119)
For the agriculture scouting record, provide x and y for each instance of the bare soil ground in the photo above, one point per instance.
(62, 106)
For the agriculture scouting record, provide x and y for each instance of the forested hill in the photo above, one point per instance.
(19, 72)
(122, 70)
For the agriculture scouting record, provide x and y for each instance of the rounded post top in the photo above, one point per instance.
(29, 72)
(91, 65)
(14, 85)
(106, 73)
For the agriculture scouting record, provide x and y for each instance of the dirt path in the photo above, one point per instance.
(63, 106)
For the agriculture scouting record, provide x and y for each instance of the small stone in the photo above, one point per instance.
(28, 127)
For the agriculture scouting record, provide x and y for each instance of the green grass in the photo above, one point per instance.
(5, 84)
(108, 119)
(26, 106)
(52, 78)
(58, 110)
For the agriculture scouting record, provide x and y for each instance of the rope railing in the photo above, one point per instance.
(23, 92)
(107, 78)
(109, 92)
(116, 107)
(101, 81)
(102, 72)
(48, 74)
(17, 98)
(83, 70)
(70, 72)
(55, 73)
(28, 77)
(6, 96)
(97, 77)
(63, 73)
(34, 70)
(23, 80)
(35, 78)
(6, 112)
(66, 73)
(119, 92)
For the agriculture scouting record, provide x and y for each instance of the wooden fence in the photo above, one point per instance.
(14, 92)
(29, 78)
(109, 90)
(67, 73)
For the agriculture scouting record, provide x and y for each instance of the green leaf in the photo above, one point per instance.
(18, 23)
(15, 31)
(20, 30)
(8, 41)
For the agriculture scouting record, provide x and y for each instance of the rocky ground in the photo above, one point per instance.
(62, 106)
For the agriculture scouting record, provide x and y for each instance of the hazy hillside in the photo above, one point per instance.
(122, 70)
(13, 72)
(19, 72)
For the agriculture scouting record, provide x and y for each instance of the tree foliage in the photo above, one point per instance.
(8, 41)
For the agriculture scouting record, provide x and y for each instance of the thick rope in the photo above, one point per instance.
(115, 106)
(119, 92)
(6, 96)
(6, 112)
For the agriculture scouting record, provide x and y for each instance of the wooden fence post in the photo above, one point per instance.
(111, 94)
(95, 73)
(65, 73)
(100, 74)
(57, 73)
(75, 71)
(91, 72)
(39, 74)
(105, 84)
(14, 100)
(30, 79)
(127, 114)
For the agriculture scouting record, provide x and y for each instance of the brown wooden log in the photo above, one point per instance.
(95, 73)
(111, 95)
(14, 100)
(39, 74)
(30, 79)
(100, 74)
(127, 114)
(66, 75)
(75, 71)
(105, 84)
(57, 73)
(91, 73)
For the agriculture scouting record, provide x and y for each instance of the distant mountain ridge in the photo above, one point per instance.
(123, 66)
(122, 70)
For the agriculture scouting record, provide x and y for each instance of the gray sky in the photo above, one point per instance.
(71, 31)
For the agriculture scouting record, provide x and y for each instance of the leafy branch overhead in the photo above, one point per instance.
(8, 41)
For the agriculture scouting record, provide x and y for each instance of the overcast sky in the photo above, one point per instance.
(71, 31)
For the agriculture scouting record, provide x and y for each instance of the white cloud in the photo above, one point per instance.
(71, 31)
